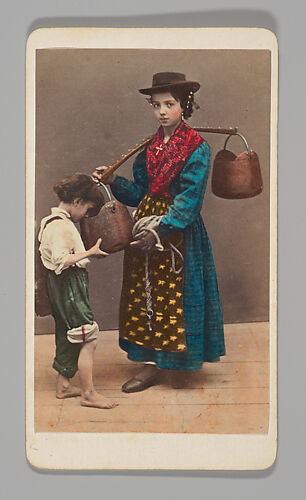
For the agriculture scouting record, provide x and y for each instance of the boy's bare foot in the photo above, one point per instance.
(64, 389)
(95, 400)
(71, 392)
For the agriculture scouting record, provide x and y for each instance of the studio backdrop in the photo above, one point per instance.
(89, 112)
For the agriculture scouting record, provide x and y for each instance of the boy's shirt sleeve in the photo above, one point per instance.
(59, 239)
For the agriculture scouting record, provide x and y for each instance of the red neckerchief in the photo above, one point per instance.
(165, 161)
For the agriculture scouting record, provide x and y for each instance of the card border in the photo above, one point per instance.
(135, 451)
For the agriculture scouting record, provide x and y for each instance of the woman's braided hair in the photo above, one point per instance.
(186, 99)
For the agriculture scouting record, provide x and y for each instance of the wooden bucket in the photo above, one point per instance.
(113, 225)
(236, 177)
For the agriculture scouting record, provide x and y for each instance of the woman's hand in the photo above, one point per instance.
(95, 250)
(96, 175)
(146, 243)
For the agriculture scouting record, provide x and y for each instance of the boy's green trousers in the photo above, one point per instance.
(69, 298)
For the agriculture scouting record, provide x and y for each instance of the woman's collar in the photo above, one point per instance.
(176, 132)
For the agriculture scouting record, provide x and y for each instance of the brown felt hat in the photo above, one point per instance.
(165, 81)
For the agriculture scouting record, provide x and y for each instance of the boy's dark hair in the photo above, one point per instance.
(80, 186)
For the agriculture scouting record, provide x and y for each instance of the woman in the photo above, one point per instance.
(170, 318)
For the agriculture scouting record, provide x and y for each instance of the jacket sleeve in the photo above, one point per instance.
(131, 192)
(188, 203)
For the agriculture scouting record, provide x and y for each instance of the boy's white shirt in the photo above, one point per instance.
(59, 239)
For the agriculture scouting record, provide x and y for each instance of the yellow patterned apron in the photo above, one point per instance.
(166, 331)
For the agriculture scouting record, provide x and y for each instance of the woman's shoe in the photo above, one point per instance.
(142, 381)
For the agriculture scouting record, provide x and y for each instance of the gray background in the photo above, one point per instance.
(89, 112)
(286, 478)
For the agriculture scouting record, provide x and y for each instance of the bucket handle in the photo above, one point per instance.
(113, 205)
(106, 190)
(244, 140)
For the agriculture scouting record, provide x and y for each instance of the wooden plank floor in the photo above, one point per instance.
(227, 397)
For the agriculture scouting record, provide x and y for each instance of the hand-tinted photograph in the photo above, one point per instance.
(151, 294)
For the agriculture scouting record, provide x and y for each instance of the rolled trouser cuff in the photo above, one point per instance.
(64, 371)
(83, 333)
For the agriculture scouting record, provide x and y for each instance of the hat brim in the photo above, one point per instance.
(192, 86)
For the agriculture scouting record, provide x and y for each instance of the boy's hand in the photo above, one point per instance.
(95, 250)
(96, 175)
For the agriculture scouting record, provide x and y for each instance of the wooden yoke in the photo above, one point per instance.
(232, 177)
(142, 144)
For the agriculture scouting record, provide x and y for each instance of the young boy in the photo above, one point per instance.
(63, 254)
